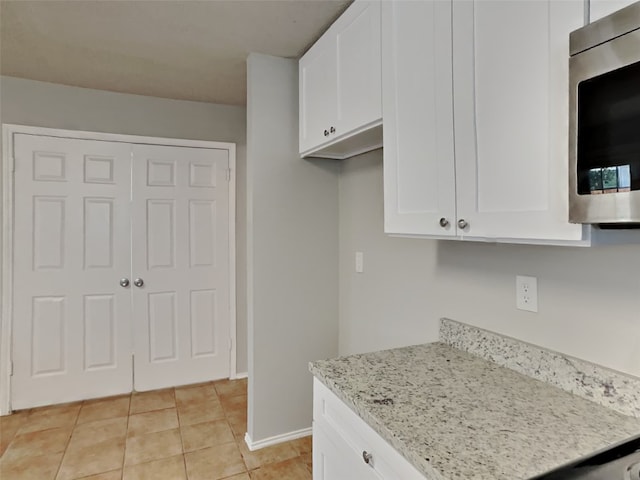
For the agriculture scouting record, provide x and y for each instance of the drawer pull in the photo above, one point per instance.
(367, 457)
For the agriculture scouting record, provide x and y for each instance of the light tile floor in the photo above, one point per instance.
(194, 433)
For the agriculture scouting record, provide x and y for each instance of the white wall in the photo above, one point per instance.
(292, 254)
(391, 304)
(27, 102)
(589, 298)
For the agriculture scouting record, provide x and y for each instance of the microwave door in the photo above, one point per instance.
(604, 132)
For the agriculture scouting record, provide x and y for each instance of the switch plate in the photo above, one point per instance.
(359, 262)
(527, 293)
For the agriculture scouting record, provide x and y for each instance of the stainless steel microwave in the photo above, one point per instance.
(604, 121)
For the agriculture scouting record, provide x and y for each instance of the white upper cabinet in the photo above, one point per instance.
(602, 8)
(318, 91)
(340, 92)
(510, 76)
(475, 98)
(419, 168)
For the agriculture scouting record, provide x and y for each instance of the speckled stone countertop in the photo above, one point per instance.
(455, 416)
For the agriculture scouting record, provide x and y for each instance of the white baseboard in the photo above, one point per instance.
(267, 442)
(241, 375)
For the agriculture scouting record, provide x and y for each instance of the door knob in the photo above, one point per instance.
(367, 457)
(332, 130)
(326, 133)
(444, 222)
(124, 282)
(138, 282)
(462, 223)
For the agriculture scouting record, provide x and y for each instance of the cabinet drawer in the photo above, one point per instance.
(332, 418)
(335, 459)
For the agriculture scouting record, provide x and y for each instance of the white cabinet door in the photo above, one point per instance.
(318, 90)
(419, 169)
(358, 67)
(510, 90)
(71, 318)
(602, 8)
(180, 225)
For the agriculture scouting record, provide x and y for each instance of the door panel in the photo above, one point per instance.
(98, 233)
(202, 217)
(100, 331)
(162, 326)
(160, 244)
(203, 335)
(180, 218)
(48, 232)
(48, 325)
(71, 328)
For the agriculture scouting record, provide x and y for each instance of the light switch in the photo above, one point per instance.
(359, 262)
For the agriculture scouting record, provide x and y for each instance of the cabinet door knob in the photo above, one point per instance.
(444, 222)
(332, 129)
(138, 282)
(462, 223)
(367, 457)
(124, 282)
(326, 133)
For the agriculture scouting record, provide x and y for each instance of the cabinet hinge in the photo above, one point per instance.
(11, 369)
(230, 344)
(228, 174)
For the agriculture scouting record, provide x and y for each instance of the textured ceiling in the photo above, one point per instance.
(188, 50)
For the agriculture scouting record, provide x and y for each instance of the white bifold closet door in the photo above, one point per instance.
(89, 214)
(180, 244)
(72, 230)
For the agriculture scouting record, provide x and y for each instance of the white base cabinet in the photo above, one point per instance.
(346, 448)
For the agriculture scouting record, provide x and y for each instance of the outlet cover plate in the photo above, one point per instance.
(527, 293)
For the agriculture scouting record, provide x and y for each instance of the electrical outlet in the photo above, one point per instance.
(527, 293)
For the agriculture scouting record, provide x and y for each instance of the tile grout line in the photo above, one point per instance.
(64, 452)
(130, 414)
(126, 434)
(184, 455)
(235, 439)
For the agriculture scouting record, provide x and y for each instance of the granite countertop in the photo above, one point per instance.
(455, 416)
